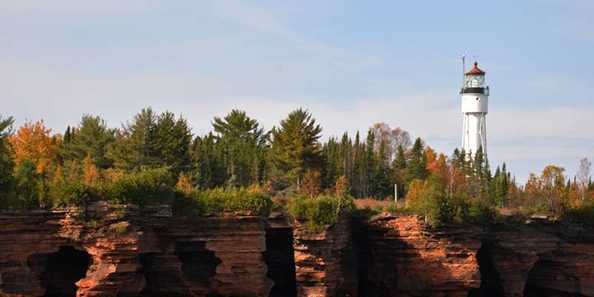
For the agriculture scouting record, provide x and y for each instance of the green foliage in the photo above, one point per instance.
(243, 145)
(295, 146)
(170, 142)
(440, 207)
(74, 193)
(6, 164)
(319, 212)
(27, 186)
(208, 162)
(417, 163)
(91, 138)
(219, 201)
(143, 187)
(152, 141)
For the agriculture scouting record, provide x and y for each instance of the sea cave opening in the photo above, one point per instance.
(198, 263)
(280, 260)
(490, 280)
(538, 281)
(60, 271)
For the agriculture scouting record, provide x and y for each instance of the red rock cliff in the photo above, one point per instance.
(403, 258)
(323, 261)
(129, 253)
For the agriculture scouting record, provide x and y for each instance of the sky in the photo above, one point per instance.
(350, 63)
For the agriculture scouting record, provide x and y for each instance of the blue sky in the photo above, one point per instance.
(351, 63)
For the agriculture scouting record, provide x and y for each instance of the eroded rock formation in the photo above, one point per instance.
(404, 258)
(323, 260)
(125, 251)
(131, 253)
(544, 259)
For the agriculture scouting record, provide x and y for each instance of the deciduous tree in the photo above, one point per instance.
(34, 142)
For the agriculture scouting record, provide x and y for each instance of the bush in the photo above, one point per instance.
(319, 212)
(144, 187)
(583, 215)
(431, 200)
(219, 201)
(74, 193)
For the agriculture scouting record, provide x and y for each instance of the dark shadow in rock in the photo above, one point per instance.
(60, 271)
(280, 259)
(490, 280)
(198, 263)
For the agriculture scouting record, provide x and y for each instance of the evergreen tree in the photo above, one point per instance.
(400, 171)
(244, 146)
(358, 181)
(170, 140)
(27, 185)
(330, 170)
(152, 141)
(207, 162)
(370, 164)
(295, 146)
(91, 138)
(382, 181)
(133, 146)
(6, 163)
(417, 163)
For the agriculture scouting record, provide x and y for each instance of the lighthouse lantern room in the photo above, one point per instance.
(475, 103)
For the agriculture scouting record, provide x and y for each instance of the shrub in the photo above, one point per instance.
(583, 214)
(75, 193)
(219, 201)
(439, 207)
(319, 212)
(144, 187)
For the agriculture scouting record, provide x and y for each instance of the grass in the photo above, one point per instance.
(220, 201)
(320, 212)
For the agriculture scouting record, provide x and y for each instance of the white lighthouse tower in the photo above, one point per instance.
(475, 105)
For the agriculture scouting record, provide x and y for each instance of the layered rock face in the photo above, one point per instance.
(324, 261)
(404, 259)
(110, 251)
(125, 251)
(544, 259)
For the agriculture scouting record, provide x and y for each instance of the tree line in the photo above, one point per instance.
(35, 163)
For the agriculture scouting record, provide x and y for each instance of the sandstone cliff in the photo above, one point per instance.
(125, 251)
(404, 258)
(130, 253)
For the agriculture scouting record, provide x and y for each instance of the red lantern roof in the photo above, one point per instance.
(475, 70)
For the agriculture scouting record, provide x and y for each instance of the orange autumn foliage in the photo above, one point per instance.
(184, 184)
(91, 175)
(33, 142)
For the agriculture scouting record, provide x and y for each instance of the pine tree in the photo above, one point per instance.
(27, 185)
(6, 163)
(358, 183)
(330, 170)
(295, 146)
(244, 146)
(170, 143)
(417, 163)
(370, 164)
(153, 141)
(208, 168)
(133, 145)
(91, 138)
